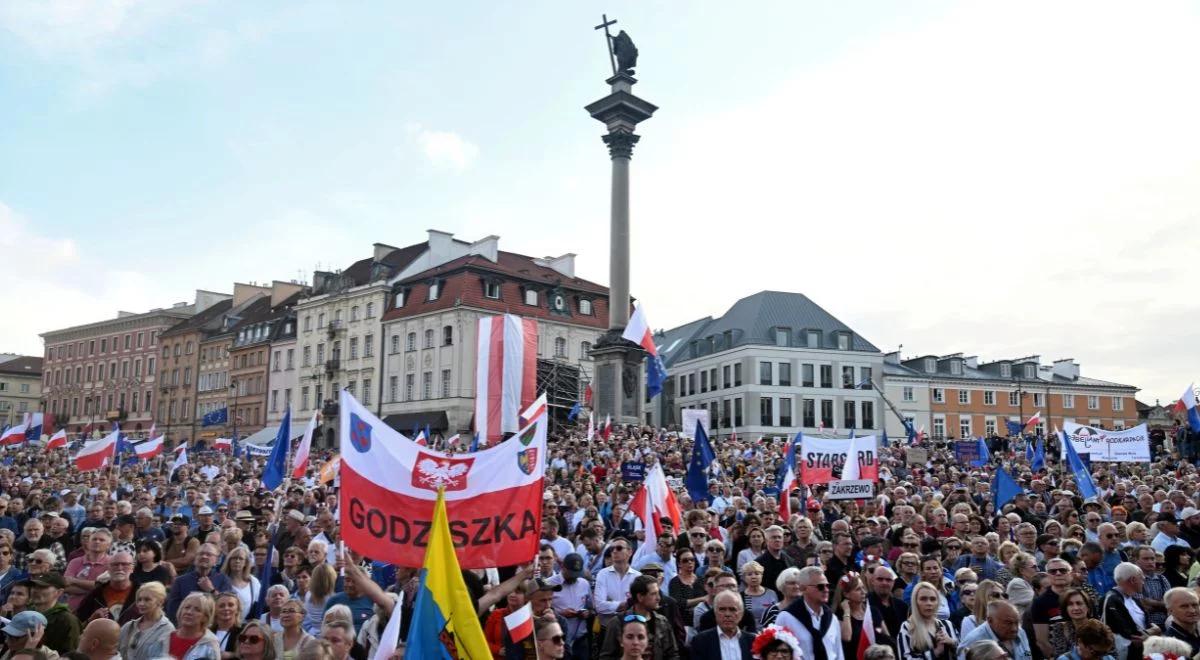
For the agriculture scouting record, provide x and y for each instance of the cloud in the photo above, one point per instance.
(444, 149)
(56, 27)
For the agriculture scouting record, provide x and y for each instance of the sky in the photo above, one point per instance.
(996, 179)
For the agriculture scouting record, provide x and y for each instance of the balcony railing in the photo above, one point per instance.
(332, 365)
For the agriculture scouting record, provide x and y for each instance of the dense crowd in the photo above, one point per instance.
(142, 563)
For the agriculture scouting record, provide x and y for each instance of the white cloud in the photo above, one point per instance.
(444, 149)
(54, 27)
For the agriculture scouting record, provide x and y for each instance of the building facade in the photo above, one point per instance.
(179, 370)
(955, 396)
(431, 329)
(262, 320)
(20, 387)
(773, 364)
(104, 372)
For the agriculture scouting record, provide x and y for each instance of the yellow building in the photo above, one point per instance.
(20, 388)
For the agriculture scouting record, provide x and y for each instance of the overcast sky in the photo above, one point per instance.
(997, 179)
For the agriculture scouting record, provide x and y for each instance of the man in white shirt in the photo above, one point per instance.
(1168, 534)
(611, 594)
(811, 620)
(573, 602)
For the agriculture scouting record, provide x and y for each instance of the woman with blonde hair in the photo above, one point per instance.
(1006, 551)
(1023, 568)
(985, 592)
(237, 568)
(320, 588)
(757, 597)
(924, 636)
(192, 640)
(146, 637)
(226, 620)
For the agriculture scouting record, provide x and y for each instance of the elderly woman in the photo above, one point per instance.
(192, 640)
(292, 639)
(254, 642)
(1020, 588)
(758, 598)
(237, 568)
(147, 637)
(277, 595)
(788, 584)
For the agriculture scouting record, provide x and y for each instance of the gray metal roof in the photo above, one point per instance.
(753, 319)
(989, 373)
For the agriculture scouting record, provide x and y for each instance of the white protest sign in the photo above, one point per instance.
(690, 416)
(1128, 446)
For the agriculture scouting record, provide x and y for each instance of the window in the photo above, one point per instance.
(827, 413)
(560, 347)
(725, 379)
(429, 338)
(370, 310)
(691, 384)
(1118, 403)
(989, 426)
(1093, 403)
(785, 374)
(435, 290)
(304, 398)
(393, 388)
(398, 297)
(806, 375)
(585, 350)
(765, 410)
(491, 290)
(907, 394)
(765, 374)
(411, 344)
(781, 336)
(826, 375)
(964, 427)
(318, 399)
(683, 385)
(989, 397)
(291, 358)
(274, 400)
(1039, 399)
(785, 412)
(930, 365)
(351, 388)
(848, 417)
(187, 375)
(368, 345)
(1006, 370)
(585, 307)
(354, 348)
(1119, 425)
(409, 387)
(847, 378)
(964, 397)
(1030, 370)
(445, 383)
(275, 361)
(868, 414)
(737, 411)
(955, 368)
(814, 338)
(737, 374)
(128, 341)
(92, 347)
(306, 357)
(320, 354)
(447, 335)
(321, 320)
(427, 385)
(843, 341)
(939, 427)
(703, 382)
(1014, 398)
(939, 395)
(354, 313)
(103, 346)
(1068, 401)
(366, 392)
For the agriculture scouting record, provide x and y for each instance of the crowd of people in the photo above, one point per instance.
(142, 563)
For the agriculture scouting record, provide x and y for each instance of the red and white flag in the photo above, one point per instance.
(58, 440)
(180, 460)
(300, 460)
(606, 430)
(591, 426)
(785, 495)
(153, 431)
(15, 435)
(452, 440)
(390, 484)
(420, 439)
(655, 501)
(180, 448)
(520, 623)
(505, 374)
(99, 453)
(223, 444)
(1037, 417)
(148, 449)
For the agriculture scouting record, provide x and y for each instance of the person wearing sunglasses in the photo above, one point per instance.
(811, 620)
(551, 643)
(1049, 621)
(254, 642)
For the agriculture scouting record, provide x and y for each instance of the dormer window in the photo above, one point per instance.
(814, 338)
(398, 296)
(930, 365)
(531, 297)
(956, 367)
(585, 307)
(782, 336)
(435, 290)
(843, 341)
(491, 290)
(1006, 370)
(1030, 371)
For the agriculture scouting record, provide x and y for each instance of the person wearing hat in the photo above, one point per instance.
(1168, 534)
(204, 523)
(62, 627)
(571, 603)
(24, 632)
(180, 549)
(292, 522)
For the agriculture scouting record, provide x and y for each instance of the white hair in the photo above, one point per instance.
(1126, 571)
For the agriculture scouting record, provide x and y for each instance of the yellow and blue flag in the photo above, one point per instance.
(444, 622)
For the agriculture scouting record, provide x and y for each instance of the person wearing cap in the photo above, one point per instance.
(572, 603)
(293, 520)
(1168, 534)
(1189, 526)
(180, 549)
(26, 630)
(204, 523)
(62, 627)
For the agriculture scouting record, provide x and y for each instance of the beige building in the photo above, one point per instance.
(20, 387)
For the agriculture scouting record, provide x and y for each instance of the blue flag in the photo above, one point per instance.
(885, 439)
(1014, 428)
(1039, 456)
(1083, 478)
(575, 410)
(215, 417)
(1004, 489)
(910, 432)
(697, 474)
(277, 463)
(1029, 451)
(656, 375)
(474, 443)
(985, 456)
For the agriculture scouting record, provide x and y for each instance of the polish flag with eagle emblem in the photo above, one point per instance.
(389, 486)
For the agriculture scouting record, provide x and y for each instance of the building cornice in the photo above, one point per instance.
(91, 330)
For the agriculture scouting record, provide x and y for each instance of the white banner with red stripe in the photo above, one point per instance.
(505, 374)
(389, 485)
(823, 460)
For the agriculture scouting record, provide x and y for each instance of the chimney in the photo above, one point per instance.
(564, 264)
(206, 299)
(972, 361)
(245, 292)
(440, 245)
(892, 358)
(1066, 368)
(281, 291)
(487, 247)
(381, 250)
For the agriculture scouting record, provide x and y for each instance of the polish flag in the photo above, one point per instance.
(1037, 417)
(97, 454)
(58, 440)
(223, 444)
(180, 448)
(505, 374)
(587, 395)
(606, 430)
(154, 432)
(591, 426)
(520, 623)
(867, 638)
(15, 435)
(180, 460)
(785, 495)
(452, 441)
(420, 439)
(149, 449)
(655, 501)
(300, 461)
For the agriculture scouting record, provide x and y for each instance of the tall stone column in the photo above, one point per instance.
(618, 362)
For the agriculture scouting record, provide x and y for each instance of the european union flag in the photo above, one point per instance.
(276, 467)
(1083, 478)
(215, 417)
(1004, 489)
(656, 375)
(575, 410)
(1015, 428)
(702, 457)
(1039, 456)
(984, 455)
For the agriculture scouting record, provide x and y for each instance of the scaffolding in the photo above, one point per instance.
(563, 384)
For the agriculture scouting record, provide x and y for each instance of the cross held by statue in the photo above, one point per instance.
(612, 59)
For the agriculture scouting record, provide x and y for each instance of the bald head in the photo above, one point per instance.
(99, 639)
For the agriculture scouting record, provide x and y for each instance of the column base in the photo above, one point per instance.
(618, 379)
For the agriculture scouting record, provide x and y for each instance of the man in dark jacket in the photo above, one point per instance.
(643, 599)
(62, 627)
(708, 644)
(1184, 620)
(1123, 613)
(202, 578)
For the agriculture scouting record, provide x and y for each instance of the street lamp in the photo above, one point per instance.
(233, 385)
